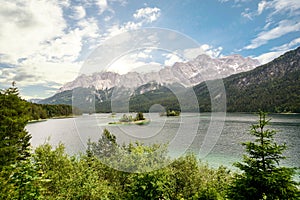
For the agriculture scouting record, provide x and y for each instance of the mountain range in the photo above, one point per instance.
(190, 73)
(273, 87)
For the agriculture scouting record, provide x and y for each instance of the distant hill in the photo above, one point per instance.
(273, 87)
(64, 97)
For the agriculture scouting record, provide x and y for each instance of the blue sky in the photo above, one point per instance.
(43, 43)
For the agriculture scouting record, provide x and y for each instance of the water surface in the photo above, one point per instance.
(192, 132)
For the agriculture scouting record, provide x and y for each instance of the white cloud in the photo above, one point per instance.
(131, 63)
(89, 28)
(261, 6)
(284, 27)
(56, 59)
(39, 72)
(171, 59)
(148, 14)
(36, 39)
(248, 14)
(277, 51)
(291, 24)
(144, 54)
(285, 5)
(107, 18)
(65, 3)
(267, 57)
(223, 1)
(79, 12)
(27, 24)
(143, 16)
(102, 5)
(203, 49)
(275, 7)
(117, 29)
(287, 46)
(120, 2)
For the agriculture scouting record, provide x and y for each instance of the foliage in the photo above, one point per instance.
(57, 110)
(195, 180)
(70, 178)
(170, 113)
(105, 147)
(134, 157)
(44, 111)
(139, 116)
(126, 118)
(276, 95)
(22, 180)
(162, 96)
(14, 139)
(152, 185)
(262, 176)
(138, 171)
(182, 178)
(37, 112)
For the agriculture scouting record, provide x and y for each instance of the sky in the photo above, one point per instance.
(44, 43)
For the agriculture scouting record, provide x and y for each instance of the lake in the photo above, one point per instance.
(214, 138)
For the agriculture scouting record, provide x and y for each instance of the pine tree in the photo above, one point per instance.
(105, 147)
(262, 177)
(14, 115)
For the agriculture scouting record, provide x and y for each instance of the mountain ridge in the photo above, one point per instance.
(272, 87)
(200, 69)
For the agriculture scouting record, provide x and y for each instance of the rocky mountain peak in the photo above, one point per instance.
(202, 68)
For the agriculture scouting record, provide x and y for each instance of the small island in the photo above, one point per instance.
(128, 119)
(170, 113)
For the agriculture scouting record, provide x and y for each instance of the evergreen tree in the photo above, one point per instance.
(105, 147)
(139, 116)
(14, 115)
(262, 177)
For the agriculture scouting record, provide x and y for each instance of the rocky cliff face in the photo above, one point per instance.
(188, 74)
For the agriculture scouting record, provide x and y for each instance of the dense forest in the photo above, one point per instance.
(34, 111)
(44, 111)
(108, 170)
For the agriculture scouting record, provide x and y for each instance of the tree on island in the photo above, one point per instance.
(126, 118)
(139, 116)
(262, 177)
(170, 113)
(14, 115)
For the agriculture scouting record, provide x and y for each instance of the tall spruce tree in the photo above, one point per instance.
(105, 147)
(14, 115)
(262, 177)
